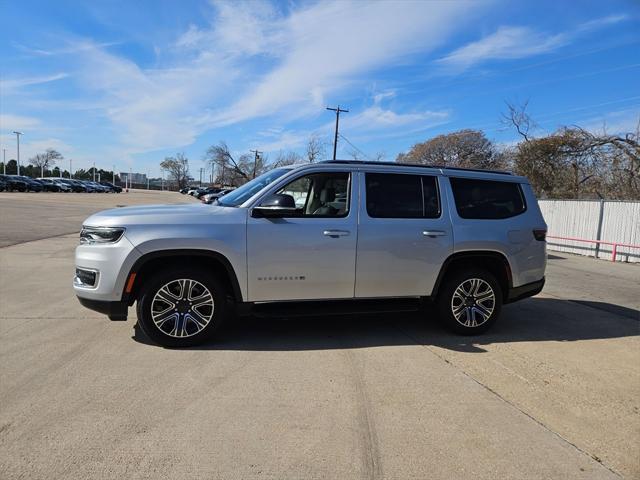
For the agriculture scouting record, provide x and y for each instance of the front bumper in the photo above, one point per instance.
(524, 291)
(111, 263)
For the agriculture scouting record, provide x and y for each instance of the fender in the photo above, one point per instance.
(176, 253)
(475, 255)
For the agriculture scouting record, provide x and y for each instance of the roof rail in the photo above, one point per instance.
(399, 164)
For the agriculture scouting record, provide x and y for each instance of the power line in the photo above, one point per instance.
(357, 149)
(335, 138)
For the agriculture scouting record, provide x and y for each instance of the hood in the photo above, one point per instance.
(165, 215)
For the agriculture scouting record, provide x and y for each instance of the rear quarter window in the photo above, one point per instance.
(487, 199)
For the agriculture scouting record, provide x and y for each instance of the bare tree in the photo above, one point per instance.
(177, 168)
(45, 160)
(232, 170)
(355, 154)
(517, 116)
(316, 149)
(465, 148)
(575, 163)
(380, 156)
(287, 158)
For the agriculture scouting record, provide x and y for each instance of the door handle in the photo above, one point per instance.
(336, 233)
(434, 233)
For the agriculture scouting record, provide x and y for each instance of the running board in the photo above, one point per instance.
(332, 307)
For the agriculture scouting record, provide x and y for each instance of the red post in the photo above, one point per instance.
(615, 250)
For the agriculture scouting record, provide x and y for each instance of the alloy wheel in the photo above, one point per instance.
(473, 302)
(182, 308)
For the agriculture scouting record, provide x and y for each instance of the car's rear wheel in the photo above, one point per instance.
(470, 301)
(182, 308)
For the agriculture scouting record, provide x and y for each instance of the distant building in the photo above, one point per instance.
(135, 177)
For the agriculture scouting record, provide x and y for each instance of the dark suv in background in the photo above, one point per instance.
(12, 183)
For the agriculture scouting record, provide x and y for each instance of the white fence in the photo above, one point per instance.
(609, 221)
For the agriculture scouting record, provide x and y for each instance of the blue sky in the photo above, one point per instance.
(127, 83)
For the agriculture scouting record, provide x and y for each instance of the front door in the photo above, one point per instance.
(310, 255)
(403, 236)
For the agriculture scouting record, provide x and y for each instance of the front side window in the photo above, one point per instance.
(487, 199)
(392, 195)
(245, 192)
(320, 194)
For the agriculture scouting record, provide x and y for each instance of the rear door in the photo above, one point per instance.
(404, 235)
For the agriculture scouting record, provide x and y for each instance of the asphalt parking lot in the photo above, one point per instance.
(553, 391)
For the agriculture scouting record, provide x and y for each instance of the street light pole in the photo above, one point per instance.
(113, 180)
(4, 161)
(18, 140)
(94, 171)
(70, 169)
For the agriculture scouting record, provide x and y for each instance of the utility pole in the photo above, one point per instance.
(94, 171)
(18, 140)
(200, 176)
(70, 169)
(256, 156)
(335, 138)
(4, 161)
(113, 175)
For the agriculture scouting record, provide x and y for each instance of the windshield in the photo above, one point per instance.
(249, 189)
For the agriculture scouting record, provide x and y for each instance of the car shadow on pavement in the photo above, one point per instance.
(534, 319)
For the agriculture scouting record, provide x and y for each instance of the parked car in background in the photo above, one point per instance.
(111, 187)
(75, 185)
(13, 183)
(98, 187)
(63, 186)
(87, 184)
(326, 237)
(57, 181)
(49, 185)
(3, 185)
(212, 197)
(32, 184)
(205, 190)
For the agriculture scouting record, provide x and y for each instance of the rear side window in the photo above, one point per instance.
(487, 199)
(392, 195)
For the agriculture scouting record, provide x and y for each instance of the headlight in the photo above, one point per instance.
(90, 235)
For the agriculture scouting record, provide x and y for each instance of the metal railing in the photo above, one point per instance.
(614, 250)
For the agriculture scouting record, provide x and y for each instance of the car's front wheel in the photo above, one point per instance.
(182, 308)
(470, 301)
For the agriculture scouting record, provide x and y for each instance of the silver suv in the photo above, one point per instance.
(335, 236)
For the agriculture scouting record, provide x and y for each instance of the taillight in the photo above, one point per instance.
(540, 234)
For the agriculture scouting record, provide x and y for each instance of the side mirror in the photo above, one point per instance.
(275, 205)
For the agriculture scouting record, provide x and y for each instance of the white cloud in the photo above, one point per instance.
(513, 42)
(602, 22)
(329, 44)
(619, 122)
(306, 57)
(505, 43)
(11, 122)
(379, 118)
(16, 83)
(29, 148)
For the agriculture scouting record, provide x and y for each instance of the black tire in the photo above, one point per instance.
(167, 334)
(471, 320)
